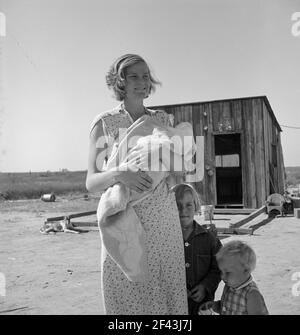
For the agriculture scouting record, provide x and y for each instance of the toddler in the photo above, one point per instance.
(241, 296)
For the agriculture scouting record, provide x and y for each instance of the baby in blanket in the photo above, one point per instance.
(150, 147)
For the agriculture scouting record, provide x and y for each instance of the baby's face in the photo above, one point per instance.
(233, 272)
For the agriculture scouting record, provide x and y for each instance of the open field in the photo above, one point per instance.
(60, 273)
(14, 186)
(32, 185)
(292, 175)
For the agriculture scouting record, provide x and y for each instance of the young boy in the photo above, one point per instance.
(200, 246)
(241, 296)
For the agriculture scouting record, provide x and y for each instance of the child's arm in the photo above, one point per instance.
(255, 304)
(198, 293)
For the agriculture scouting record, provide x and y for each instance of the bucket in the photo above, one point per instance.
(48, 197)
(296, 202)
(207, 212)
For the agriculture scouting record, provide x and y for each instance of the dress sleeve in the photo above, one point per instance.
(108, 138)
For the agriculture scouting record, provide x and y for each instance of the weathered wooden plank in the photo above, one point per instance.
(212, 196)
(183, 110)
(211, 162)
(233, 117)
(215, 116)
(247, 185)
(282, 169)
(196, 115)
(250, 217)
(206, 154)
(257, 138)
(177, 116)
(235, 231)
(226, 116)
(237, 114)
(252, 127)
(234, 211)
(198, 131)
(248, 125)
(243, 169)
(71, 216)
(198, 119)
(271, 166)
(269, 146)
(85, 224)
(261, 153)
(190, 113)
(266, 150)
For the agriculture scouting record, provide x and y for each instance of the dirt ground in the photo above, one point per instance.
(60, 273)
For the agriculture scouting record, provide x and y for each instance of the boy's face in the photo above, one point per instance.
(186, 209)
(232, 271)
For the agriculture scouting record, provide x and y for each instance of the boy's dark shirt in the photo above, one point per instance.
(201, 265)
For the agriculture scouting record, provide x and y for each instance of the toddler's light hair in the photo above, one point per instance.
(180, 189)
(240, 250)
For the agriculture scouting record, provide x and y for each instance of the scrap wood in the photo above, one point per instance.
(65, 225)
(249, 217)
(234, 211)
(238, 231)
(71, 216)
(85, 224)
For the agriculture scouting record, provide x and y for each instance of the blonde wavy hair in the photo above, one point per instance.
(115, 78)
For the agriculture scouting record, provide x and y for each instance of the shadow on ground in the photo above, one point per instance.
(262, 223)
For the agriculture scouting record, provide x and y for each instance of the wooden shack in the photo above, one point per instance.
(242, 159)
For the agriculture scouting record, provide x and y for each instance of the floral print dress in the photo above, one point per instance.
(165, 291)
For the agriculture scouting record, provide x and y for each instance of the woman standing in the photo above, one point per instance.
(165, 290)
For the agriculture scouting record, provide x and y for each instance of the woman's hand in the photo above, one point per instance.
(137, 181)
(198, 293)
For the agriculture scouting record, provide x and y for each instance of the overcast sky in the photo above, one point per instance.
(55, 55)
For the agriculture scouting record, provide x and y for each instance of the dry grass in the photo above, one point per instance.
(15, 186)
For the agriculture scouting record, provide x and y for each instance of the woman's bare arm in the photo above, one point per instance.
(98, 180)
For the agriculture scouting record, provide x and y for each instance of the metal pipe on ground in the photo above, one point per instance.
(48, 197)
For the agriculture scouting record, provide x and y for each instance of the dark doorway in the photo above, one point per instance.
(228, 170)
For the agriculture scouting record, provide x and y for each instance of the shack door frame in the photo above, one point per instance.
(239, 204)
